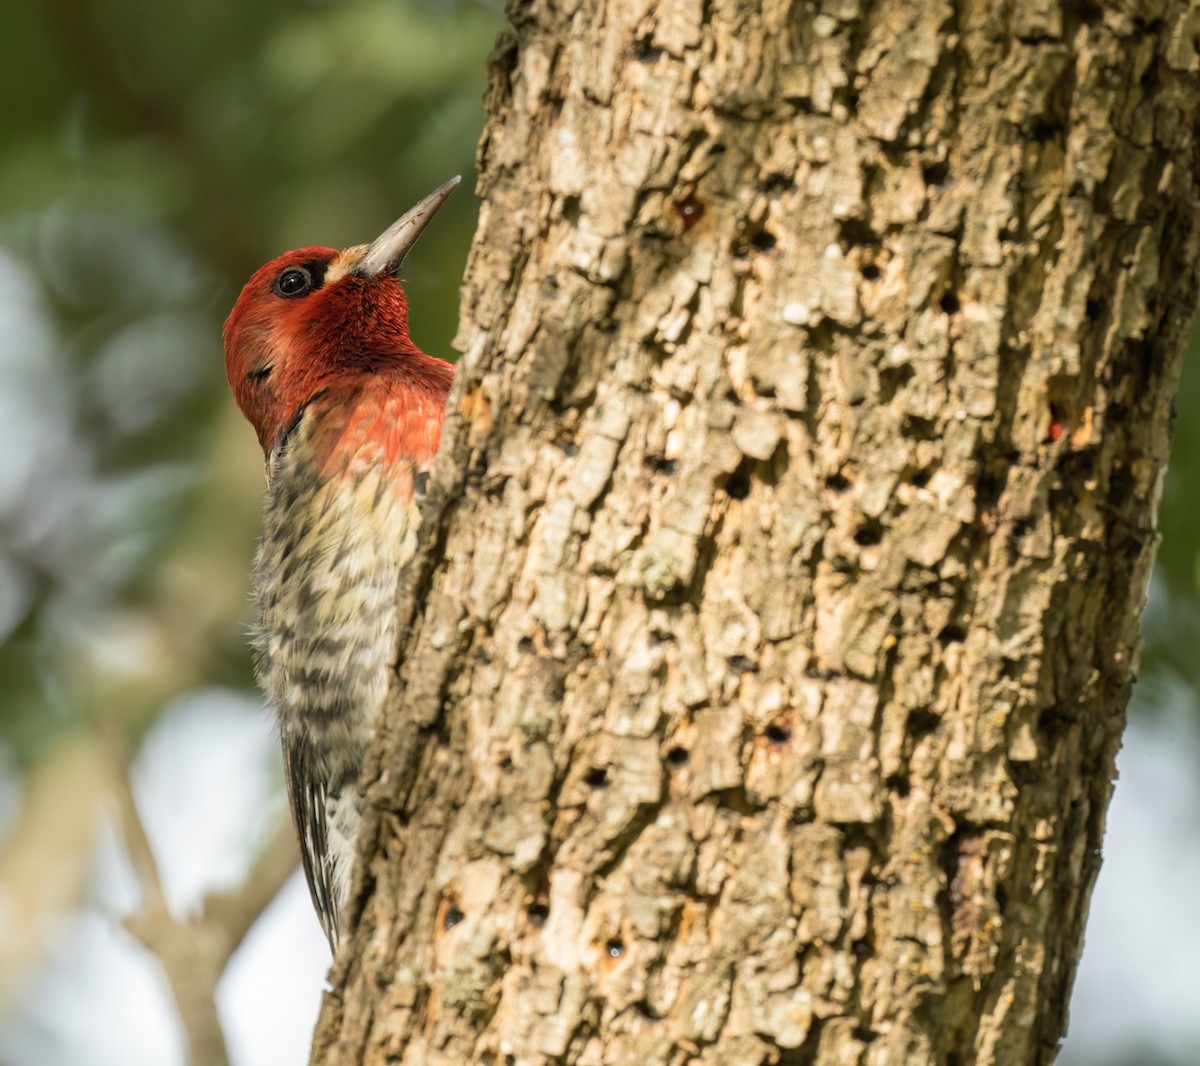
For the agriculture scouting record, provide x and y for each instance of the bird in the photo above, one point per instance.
(348, 411)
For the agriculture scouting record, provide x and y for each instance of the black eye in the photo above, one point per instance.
(293, 282)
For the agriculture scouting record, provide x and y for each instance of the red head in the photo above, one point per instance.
(317, 320)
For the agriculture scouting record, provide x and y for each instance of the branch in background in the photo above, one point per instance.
(192, 599)
(44, 864)
(194, 953)
(236, 910)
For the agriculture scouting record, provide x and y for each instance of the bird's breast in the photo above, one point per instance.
(326, 577)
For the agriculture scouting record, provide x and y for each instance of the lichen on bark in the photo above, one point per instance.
(763, 672)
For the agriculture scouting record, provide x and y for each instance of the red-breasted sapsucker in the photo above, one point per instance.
(349, 414)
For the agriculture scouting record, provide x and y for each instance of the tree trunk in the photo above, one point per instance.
(762, 676)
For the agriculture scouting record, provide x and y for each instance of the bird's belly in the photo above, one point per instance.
(325, 580)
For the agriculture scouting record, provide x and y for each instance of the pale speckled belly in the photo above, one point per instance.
(325, 581)
(326, 578)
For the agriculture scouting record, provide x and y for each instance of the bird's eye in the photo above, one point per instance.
(293, 282)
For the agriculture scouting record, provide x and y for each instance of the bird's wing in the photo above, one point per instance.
(308, 792)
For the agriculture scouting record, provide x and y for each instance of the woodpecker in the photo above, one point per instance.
(348, 411)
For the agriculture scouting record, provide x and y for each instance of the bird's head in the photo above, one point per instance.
(317, 318)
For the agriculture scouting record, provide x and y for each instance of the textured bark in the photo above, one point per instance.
(763, 673)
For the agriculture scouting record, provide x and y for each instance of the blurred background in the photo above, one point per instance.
(152, 156)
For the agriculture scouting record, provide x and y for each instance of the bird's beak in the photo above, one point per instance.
(386, 253)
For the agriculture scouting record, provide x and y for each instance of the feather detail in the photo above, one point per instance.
(340, 524)
(308, 796)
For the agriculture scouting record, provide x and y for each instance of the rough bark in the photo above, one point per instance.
(762, 678)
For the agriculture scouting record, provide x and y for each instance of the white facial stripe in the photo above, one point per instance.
(347, 260)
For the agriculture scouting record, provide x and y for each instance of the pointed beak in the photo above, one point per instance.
(386, 252)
